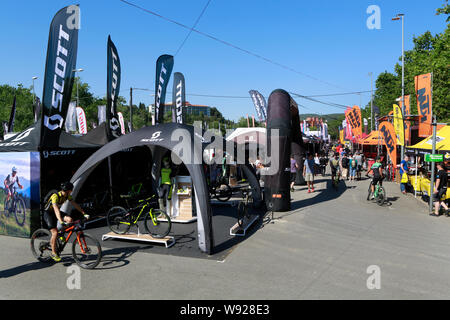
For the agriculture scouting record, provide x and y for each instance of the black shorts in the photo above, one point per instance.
(437, 196)
(375, 180)
(50, 219)
(293, 176)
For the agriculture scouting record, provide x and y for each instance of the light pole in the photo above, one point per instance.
(371, 101)
(398, 17)
(78, 80)
(34, 100)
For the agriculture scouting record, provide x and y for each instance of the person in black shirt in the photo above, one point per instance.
(440, 189)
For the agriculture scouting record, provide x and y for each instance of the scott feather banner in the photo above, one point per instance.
(112, 89)
(260, 104)
(424, 103)
(178, 98)
(164, 66)
(59, 75)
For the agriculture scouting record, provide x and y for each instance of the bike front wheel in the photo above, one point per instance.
(40, 245)
(119, 220)
(20, 211)
(223, 193)
(157, 223)
(86, 251)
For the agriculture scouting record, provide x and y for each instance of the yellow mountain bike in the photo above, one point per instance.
(157, 222)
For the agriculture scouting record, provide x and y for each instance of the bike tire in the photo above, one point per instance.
(92, 254)
(381, 197)
(241, 213)
(5, 208)
(118, 220)
(20, 212)
(40, 245)
(369, 192)
(223, 194)
(160, 225)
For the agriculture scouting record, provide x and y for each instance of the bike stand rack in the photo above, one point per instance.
(240, 231)
(167, 241)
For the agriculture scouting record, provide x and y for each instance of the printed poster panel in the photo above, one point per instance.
(19, 192)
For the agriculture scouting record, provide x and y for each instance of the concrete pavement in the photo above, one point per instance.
(327, 247)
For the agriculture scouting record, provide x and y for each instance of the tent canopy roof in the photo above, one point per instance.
(442, 141)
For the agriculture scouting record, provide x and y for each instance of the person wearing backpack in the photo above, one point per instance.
(353, 166)
(344, 165)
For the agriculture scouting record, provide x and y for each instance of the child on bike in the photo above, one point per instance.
(54, 218)
(9, 182)
(377, 170)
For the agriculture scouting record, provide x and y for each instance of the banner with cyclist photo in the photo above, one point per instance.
(19, 174)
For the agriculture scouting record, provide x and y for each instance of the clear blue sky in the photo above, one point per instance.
(328, 40)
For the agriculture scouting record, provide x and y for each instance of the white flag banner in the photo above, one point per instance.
(122, 122)
(101, 114)
(71, 119)
(82, 124)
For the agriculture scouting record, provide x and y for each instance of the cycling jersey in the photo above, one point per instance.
(165, 175)
(376, 169)
(10, 180)
(57, 198)
(334, 164)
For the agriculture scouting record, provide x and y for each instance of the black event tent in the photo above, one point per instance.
(186, 143)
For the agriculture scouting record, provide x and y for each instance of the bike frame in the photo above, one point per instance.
(71, 230)
(146, 204)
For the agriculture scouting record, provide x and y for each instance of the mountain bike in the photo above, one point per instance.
(379, 193)
(220, 190)
(243, 208)
(15, 204)
(157, 222)
(86, 250)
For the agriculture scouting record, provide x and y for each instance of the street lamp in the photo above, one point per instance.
(398, 17)
(77, 70)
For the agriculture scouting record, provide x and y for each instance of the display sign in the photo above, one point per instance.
(434, 157)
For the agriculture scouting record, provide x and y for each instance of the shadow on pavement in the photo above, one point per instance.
(116, 258)
(327, 194)
(24, 268)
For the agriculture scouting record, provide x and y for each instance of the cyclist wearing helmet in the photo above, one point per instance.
(9, 182)
(377, 170)
(54, 218)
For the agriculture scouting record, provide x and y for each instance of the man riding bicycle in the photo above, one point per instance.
(377, 170)
(9, 182)
(54, 218)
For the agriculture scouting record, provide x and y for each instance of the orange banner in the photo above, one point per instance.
(406, 113)
(390, 140)
(424, 103)
(353, 116)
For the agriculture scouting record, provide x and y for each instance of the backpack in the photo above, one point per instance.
(345, 162)
(46, 201)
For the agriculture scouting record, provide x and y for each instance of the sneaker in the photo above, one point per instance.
(55, 257)
(309, 191)
(312, 190)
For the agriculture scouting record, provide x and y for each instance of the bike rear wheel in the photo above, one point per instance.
(381, 197)
(6, 207)
(157, 223)
(20, 212)
(40, 245)
(86, 251)
(119, 220)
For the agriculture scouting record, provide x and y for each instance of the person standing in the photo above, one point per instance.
(403, 171)
(352, 166)
(308, 172)
(294, 167)
(440, 189)
(359, 165)
(344, 165)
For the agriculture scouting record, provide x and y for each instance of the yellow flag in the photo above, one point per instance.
(398, 125)
(341, 136)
